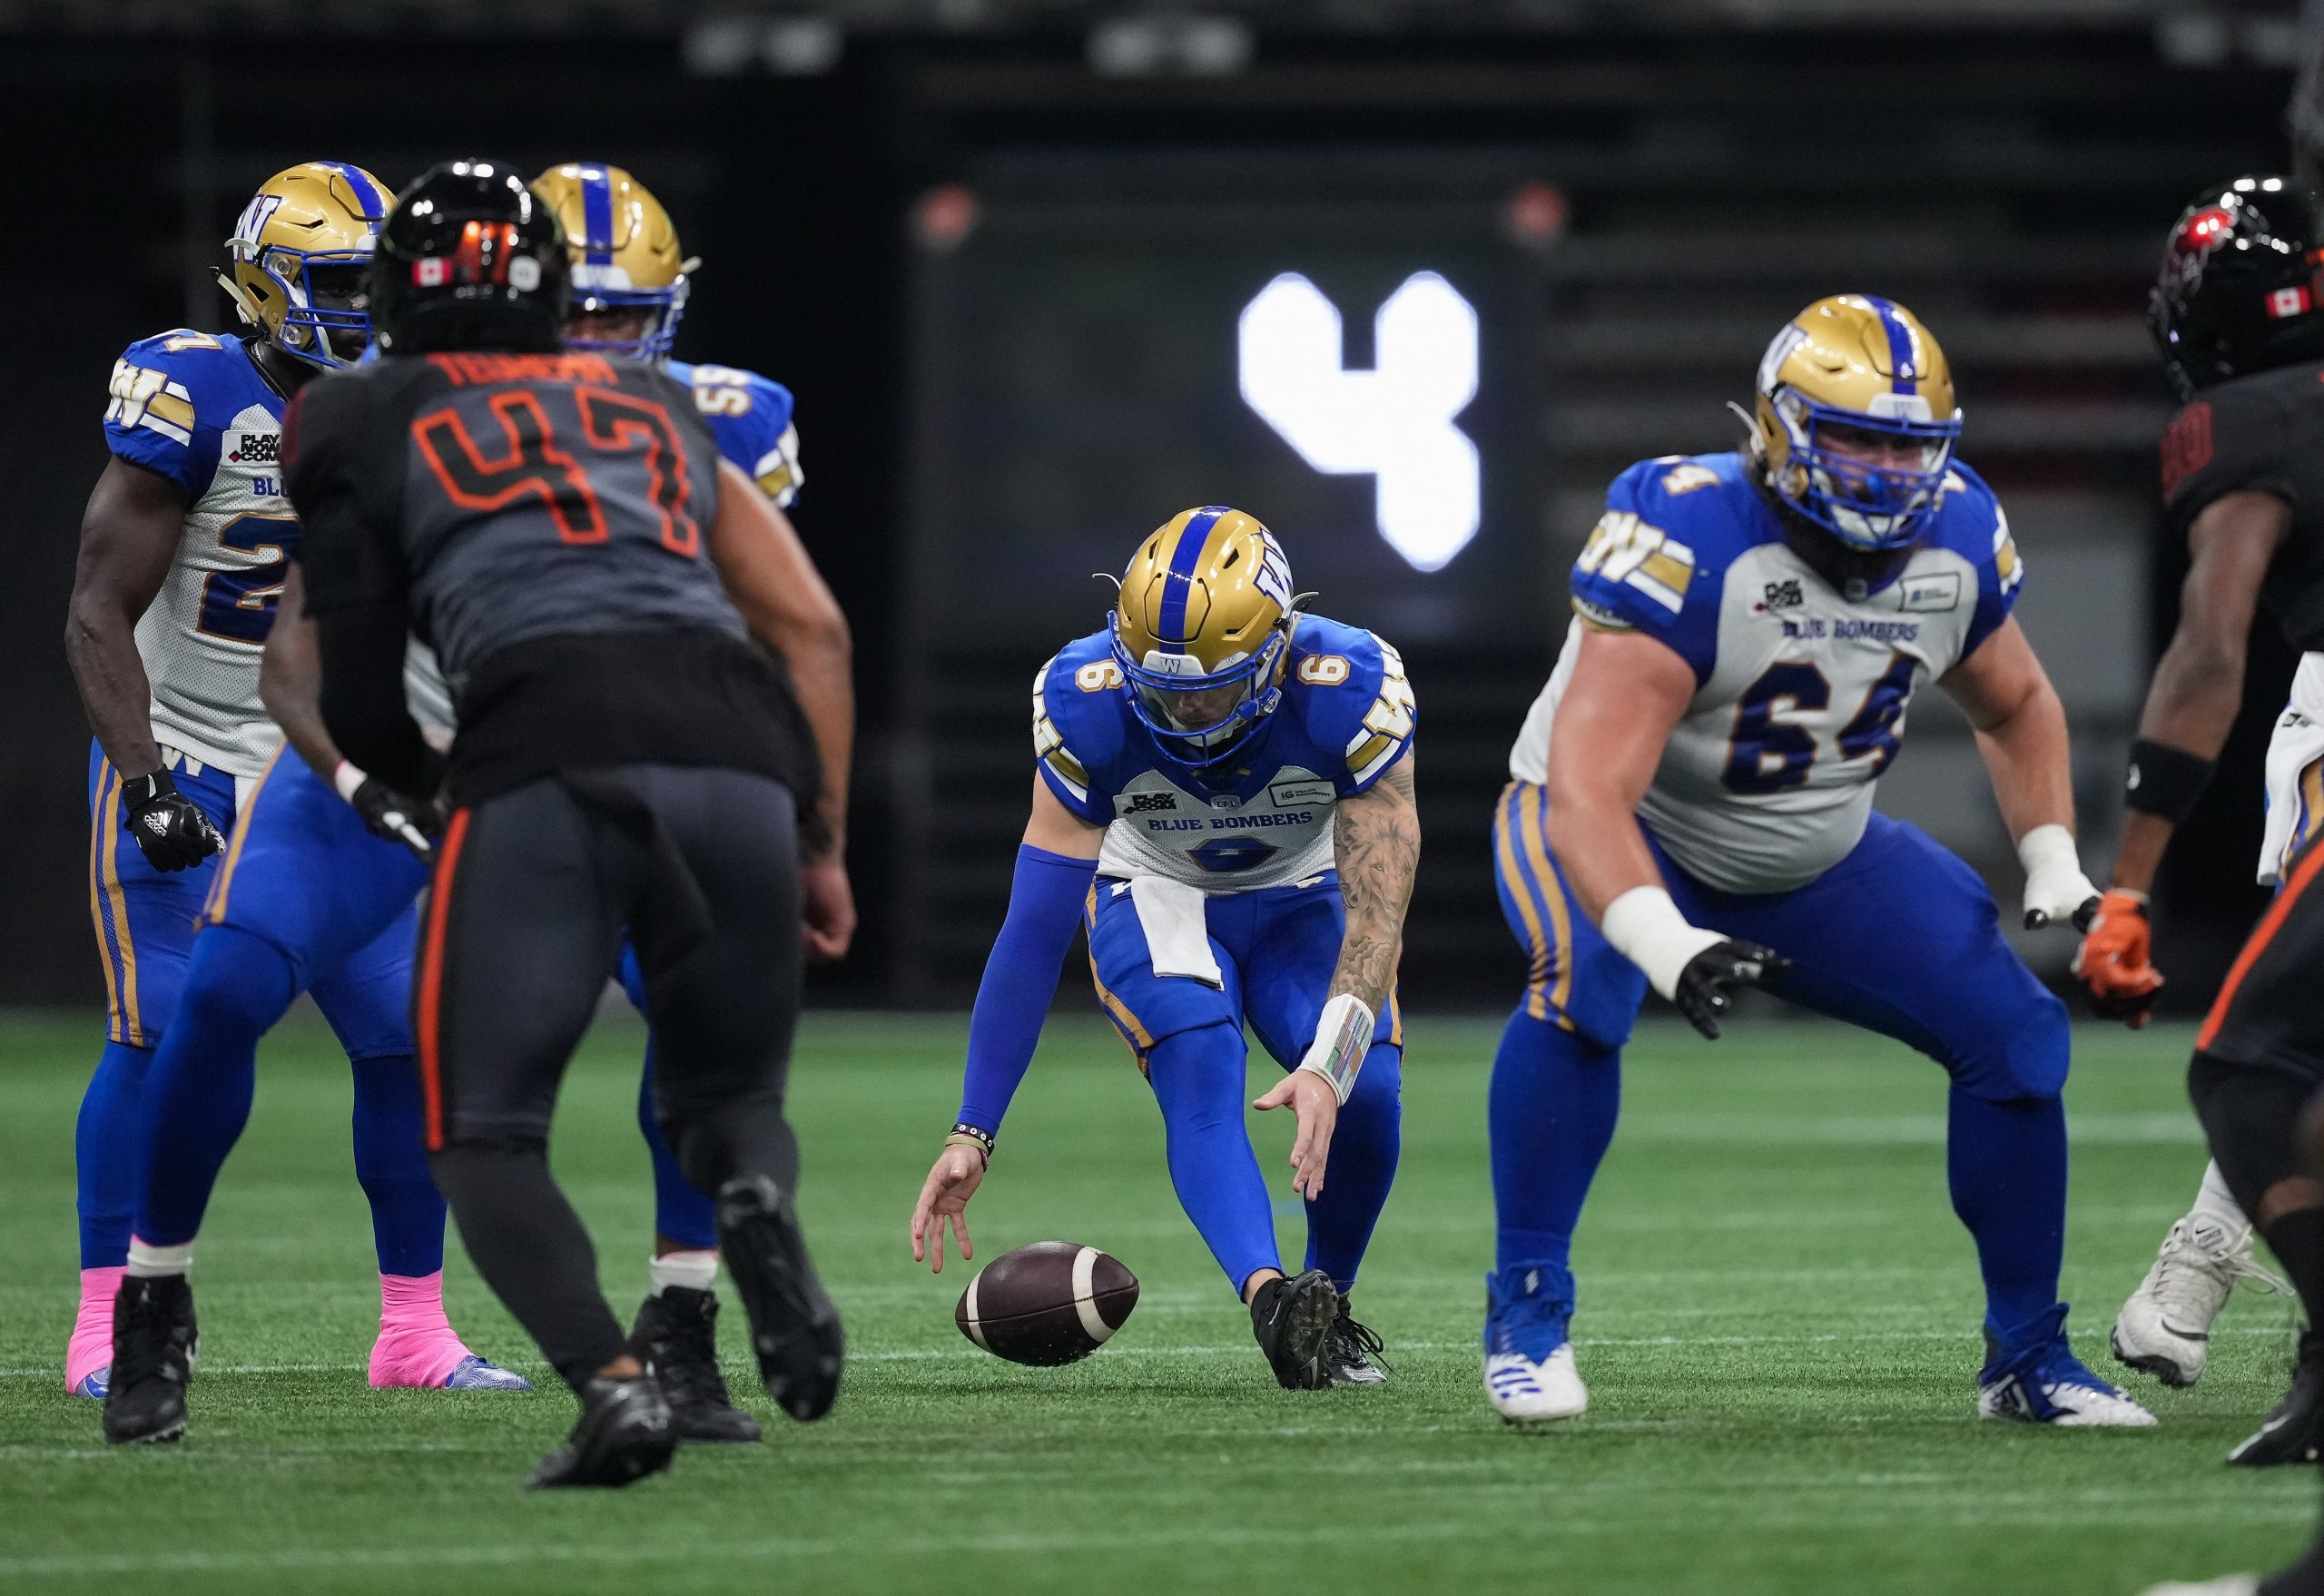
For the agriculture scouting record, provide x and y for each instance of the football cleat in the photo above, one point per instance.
(1353, 1353)
(155, 1342)
(2042, 1383)
(2294, 1432)
(475, 1374)
(94, 1382)
(794, 1329)
(676, 1334)
(624, 1433)
(1529, 1374)
(2165, 1329)
(1292, 1320)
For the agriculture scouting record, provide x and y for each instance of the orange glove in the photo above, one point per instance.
(2113, 959)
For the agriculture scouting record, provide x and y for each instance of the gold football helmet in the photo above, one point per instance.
(1202, 631)
(1856, 419)
(296, 262)
(626, 255)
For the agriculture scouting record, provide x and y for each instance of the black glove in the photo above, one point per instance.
(1711, 974)
(394, 818)
(170, 830)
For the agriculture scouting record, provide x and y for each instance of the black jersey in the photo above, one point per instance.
(541, 521)
(2262, 433)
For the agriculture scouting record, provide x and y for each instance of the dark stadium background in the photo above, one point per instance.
(1691, 174)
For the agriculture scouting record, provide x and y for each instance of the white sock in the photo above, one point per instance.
(146, 1260)
(694, 1270)
(2217, 1204)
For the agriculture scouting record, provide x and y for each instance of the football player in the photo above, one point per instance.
(310, 879)
(1223, 798)
(2237, 317)
(183, 550)
(1692, 810)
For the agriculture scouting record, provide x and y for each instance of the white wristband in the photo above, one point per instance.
(1343, 1037)
(2055, 888)
(346, 778)
(1647, 929)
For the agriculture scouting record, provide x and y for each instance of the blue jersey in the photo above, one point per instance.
(750, 415)
(195, 408)
(1260, 819)
(1801, 689)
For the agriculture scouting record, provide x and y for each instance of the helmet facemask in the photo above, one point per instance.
(657, 308)
(1873, 480)
(1202, 718)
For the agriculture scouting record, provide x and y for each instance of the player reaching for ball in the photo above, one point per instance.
(1692, 810)
(1224, 798)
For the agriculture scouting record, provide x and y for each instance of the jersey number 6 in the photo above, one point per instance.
(1768, 752)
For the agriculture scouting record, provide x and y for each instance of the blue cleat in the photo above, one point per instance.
(95, 1384)
(2042, 1383)
(475, 1374)
(1530, 1377)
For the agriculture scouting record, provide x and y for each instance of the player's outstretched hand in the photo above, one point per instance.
(170, 830)
(1312, 1099)
(1705, 984)
(2115, 959)
(945, 1194)
(827, 909)
(394, 818)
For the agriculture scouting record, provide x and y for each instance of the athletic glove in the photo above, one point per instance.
(1704, 985)
(170, 830)
(2113, 959)
(391, 816)
(2055, 889)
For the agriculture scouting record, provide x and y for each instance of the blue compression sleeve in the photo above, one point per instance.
(1020, 977)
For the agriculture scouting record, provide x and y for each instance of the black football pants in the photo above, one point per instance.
(534, 890)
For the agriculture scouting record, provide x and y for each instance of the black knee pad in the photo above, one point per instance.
(2251, 1116)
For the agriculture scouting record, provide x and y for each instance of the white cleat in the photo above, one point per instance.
(2164, 1330)
(2225, 1585)
(1524, 1392)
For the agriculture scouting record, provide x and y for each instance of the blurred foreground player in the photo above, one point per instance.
(2241, 333)
(1692, 811)
(1224, 799)
(626, 759)
(184, 552)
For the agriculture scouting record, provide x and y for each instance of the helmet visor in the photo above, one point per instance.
(1213, 712)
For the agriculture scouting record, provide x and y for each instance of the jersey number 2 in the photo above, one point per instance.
(239, 605)
(1768, 751)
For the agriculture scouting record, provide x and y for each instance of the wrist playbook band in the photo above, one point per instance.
(2165, 781)
(1343, 1037)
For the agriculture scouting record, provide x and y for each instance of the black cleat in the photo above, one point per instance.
(1292, 1320)
(2294, 1432)
(155, 1345)
(1353, 1353)
(794, 1329)
(676, 1334)
(624, 1433)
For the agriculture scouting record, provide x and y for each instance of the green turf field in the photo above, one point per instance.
(1779, 1330)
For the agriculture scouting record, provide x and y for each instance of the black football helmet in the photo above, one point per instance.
(469, 259)
(2239, 290)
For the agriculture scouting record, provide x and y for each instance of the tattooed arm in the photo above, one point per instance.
(1376, 843)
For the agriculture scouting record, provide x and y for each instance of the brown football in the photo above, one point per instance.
(1052, 1302)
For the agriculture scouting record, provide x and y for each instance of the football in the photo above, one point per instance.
(1049, 1303)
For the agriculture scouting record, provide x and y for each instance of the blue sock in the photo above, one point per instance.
(1361, 1166)
(392, 1163)
(104, 1153)
(1551, 1114)
(198, 1093)
(1198, 1077)
(2006, 1164)
(681, 1213)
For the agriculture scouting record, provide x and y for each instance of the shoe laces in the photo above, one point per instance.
(684, 1355)
(2201, 1261)
(1351, 1342)
(144, 1340)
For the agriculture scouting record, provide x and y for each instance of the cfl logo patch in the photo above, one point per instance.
(1395, 422)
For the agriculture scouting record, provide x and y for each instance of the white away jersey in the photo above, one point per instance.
(196, 409)
(1801, 691)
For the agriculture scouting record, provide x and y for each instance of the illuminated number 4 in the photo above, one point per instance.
(1769, 751)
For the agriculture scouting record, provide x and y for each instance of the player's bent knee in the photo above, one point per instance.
(2024, 1052)
(236, 981)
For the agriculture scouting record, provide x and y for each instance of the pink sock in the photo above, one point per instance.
(91, 1348)
(416, 1346)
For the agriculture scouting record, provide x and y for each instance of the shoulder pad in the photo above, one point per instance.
(1349, 691)
(1670, 527)
(751, 416)
(1077, 725)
